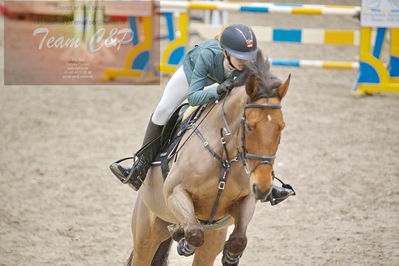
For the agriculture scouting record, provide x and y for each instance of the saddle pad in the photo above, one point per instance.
(189, 111)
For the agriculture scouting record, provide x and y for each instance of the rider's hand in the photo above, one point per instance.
(226, 86)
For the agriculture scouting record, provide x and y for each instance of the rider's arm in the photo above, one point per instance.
(197, 95)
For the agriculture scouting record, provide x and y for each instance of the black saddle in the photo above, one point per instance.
(172, 134)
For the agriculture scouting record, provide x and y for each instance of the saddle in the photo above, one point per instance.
(173, 132)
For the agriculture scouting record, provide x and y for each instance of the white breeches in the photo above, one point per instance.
(175, 93)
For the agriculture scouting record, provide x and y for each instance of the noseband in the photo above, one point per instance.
(245, 155)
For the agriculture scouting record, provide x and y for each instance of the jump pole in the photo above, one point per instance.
(264, 7)
(374, 76)
(139, 62)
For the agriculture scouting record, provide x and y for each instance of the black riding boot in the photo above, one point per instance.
(151, 145)
(279, 194)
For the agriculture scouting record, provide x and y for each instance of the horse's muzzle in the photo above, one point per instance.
(261, 195)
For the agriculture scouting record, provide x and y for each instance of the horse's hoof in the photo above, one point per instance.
(185, 249)
(230, 259)
(195, 237)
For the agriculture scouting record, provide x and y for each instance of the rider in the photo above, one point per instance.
(210, 62)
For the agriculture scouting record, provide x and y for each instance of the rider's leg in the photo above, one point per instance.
(175, 93)
(135, 175)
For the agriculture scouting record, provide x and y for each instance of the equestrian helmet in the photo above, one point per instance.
(239, 41)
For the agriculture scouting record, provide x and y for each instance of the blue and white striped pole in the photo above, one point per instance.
(315, 63)
(264, 7)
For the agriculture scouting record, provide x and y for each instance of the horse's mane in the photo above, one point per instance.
(260, 71)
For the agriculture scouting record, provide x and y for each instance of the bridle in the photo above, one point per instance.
(242, 154)
(245, 154)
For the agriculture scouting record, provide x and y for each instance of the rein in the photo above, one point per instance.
(242, 155)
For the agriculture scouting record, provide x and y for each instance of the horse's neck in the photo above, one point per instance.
(234, 108)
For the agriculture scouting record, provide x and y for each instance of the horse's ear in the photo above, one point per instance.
(259, 58)
(282, 90)
(251, 86)
(260, 62)
(266, 65)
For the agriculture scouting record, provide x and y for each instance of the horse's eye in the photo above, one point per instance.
(248, 127)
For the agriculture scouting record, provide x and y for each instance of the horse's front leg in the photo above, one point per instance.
(235, 245)
(182, 207)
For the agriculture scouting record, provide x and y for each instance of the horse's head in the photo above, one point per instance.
(263, 123)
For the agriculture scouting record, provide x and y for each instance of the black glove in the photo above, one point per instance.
(227, 85)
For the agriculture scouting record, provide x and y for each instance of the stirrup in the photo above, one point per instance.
(136, 176)
(120, 174)
(276, 200)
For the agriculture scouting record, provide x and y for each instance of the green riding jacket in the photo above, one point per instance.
(203, 66)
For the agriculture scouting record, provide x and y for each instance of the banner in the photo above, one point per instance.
(380, 13)
(73, 42)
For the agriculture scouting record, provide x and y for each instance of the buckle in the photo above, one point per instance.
(223, 141)
(226, 131)
(222, 185)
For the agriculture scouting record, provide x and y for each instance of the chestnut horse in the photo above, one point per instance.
(222, 169)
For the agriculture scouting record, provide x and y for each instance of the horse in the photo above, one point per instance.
(224, 167)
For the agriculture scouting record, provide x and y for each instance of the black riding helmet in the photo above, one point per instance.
(239, 41)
